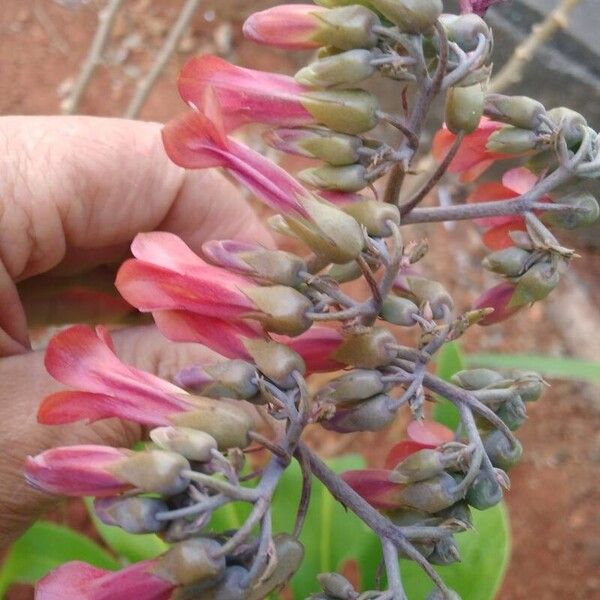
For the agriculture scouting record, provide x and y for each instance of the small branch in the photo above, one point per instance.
(306, 491)
(106, 19)
(162, 59)
(513, 70)
(392, 568)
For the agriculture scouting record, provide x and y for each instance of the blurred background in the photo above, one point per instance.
(45, 68)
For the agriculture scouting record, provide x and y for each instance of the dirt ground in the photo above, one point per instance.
(555, 493)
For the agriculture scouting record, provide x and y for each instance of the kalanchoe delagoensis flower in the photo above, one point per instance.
(317, 347)
(479, 7)
(248, 96)
(167, 275)
(305, 26)
(375, 487)
(499, 298)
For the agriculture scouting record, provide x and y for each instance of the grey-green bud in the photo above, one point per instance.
(464, 30)
(368, 350)
(348, 27)
(476, 379)
(421, 465)
(585, 211)
(511, 262)
(191, 561)
(345, 272)
(500, 450)
(535, 284)
(571, 124)
(433, 292)
(335, 585)
(191, 443)
(345, 68)
(349, 178)
(464, 108)
(399, 311)
(431, 495)
(277, 361)
(370, 415)
(411, 16)
(513, 140)
(445, 552)
(513, 412)
(529, 385)
(374, 216)
(484, 493)
(134, 515)
(238, 376)
(354, 386)
(519, 111)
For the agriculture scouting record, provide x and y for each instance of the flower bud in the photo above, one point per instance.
(370, 415)
(369, 349)
(458, 512)
(283, 309)
(571, 124)
(134, 515)
(501, 451)
(445, 552)
(512, 140)
(191, 561)
(513, 412)
(230, 587)
(346, 111)
(191, 443)
(277, 361)
(273, 266)
(585, 211)
(340, 69)
(350, 178)
(535, 284)
(419, 466)
(337, 149)
(476, 379)
(236, 378)
(431, 495)
(330, 233)
(484, 493)
(464, 30)
(511, 262)
(354, 386)
(529, 385)
(405, 517)
(411, 16)
(348, 27)
(433, 292)
(399, 311)
(289, 554)
(345, 272)
(374, 216)
(227, 423)
(437, 594)
(464, 108)
(335, 585)
(519, 111)
(154, 471)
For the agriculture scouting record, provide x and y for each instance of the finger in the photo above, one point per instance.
(23, 384)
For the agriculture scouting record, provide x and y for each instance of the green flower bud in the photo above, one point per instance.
(230, 587)
(476, 379)
(511, 262)
(274, 266)
(586, 211)
(513, 140)
(227, 423)
(191, 443)
(529, 385)
(370, 349)
(351, 178)
(370, 415)
(134, 515)
(374, 216)
(341, 69)
(519, 111)
(289, 553)
(464, 108)
(458, 512)
(501, 451)
(464, 30)
(348, 27)
(419, 466)
(153, 471)
(411, 16)
(354, 386)
(282, 309)
(431, 495)
(484, 493)
(433, 292)
(445, 552)
(191, 561)
(513, 412)
(235, 376)
(571, 124)
(346, 111)
(480, 76)
(399, 311)
(437, 594)
(405, 517)
(345, 272)
(277, 361)
(335, 585)
(535, 284)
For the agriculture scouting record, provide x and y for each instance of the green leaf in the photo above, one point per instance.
(331, 535)
(45, 546)
(131, 547)
(485, 551)
(547, 366)
(449, 361)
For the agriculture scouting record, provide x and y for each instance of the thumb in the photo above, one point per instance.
(24, 383)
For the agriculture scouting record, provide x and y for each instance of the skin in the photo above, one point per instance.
(74, 191)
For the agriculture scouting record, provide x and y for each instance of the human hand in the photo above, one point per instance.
(74, 191)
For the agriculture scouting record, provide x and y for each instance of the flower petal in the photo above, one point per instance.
(429, 433)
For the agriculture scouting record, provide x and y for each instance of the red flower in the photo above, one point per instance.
(498, 298)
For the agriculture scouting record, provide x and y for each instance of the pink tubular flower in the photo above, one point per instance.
(472, 158)
(422, 435)
(514, 183)
(290, 26)
(83, 358)
(375, 487)
(77, 471)
(80, 581)
(498, 298)
(243, 95)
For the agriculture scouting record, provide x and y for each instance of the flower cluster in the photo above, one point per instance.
(276, 316)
